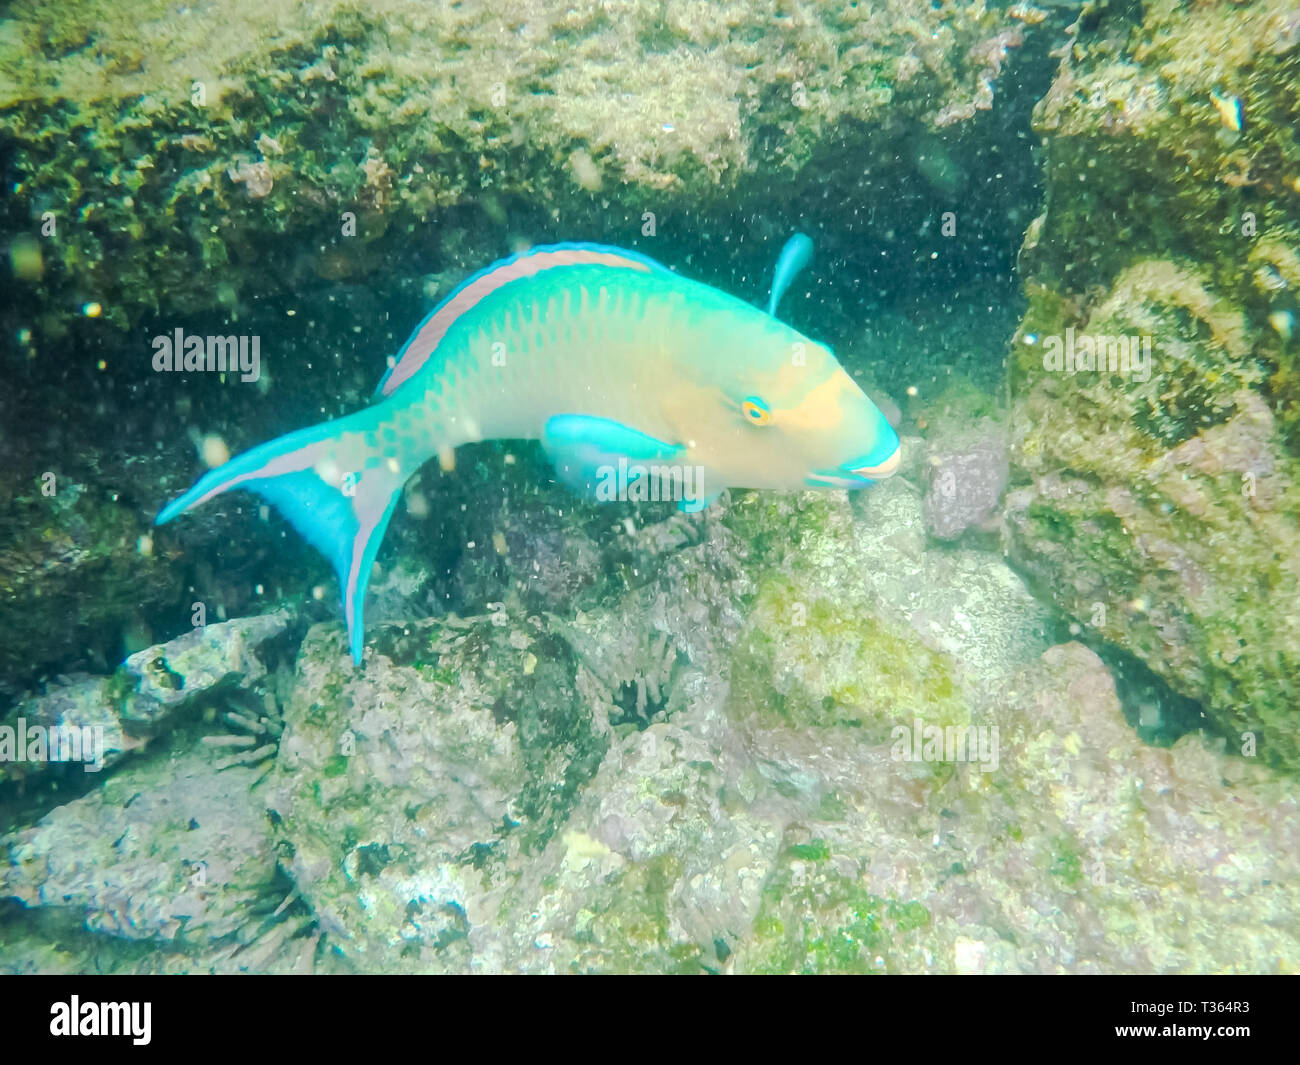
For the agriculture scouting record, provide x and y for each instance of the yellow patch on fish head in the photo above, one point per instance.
(800, 423)
(823, 405)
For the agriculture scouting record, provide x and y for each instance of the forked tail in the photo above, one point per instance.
(335, 483)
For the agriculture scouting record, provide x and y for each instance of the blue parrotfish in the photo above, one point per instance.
(611, 361)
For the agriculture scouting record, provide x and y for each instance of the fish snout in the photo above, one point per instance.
(876, 471)
(861, 471)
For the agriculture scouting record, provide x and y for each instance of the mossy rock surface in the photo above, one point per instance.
(1155, 493)
(76, 568)
(809, 659)
(220, 167)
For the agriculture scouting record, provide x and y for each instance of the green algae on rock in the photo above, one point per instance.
(809, 659)
(223, 164)
(1156, 496)
(71, 573)
(397, 791)
(492, 794)
(850, 930)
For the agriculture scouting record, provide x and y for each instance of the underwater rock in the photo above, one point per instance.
(707, 842)
(966, 480)
(169, 851)
(961, 618)
(397, 789)
(715, 772)
(72, 574)
(574, 793)
(414, 112)
(772, 841)
(1156, 418)
(1084, 850)
(1152, 871)
(414, 794)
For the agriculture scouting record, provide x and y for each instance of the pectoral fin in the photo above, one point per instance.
(586, 450)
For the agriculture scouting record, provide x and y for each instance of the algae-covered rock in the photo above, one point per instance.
(171, 852)
(168, 866)
(523, 793)
(76, 567)
(660, 785)
(1154, 436)
(1153, 871)
(707, 844)
(809, 658)
(398, 790)
(268, 143)
(413, 794)
(1025, 868)
(850, 591)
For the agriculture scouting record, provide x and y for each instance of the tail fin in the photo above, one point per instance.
(335, 483)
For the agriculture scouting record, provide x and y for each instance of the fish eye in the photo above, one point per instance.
(755, 411)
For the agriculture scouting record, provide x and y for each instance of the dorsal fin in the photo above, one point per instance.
(429, 333)
(796, 254)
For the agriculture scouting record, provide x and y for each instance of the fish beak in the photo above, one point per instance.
(855, 474)
(880, 470)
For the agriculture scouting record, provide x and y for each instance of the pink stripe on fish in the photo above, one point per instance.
(367, 520)
(293, 462)
(431, 333)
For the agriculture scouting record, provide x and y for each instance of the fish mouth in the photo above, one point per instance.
(857, 473)
(880, 470)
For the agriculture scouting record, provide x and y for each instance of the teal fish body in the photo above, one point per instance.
(614, 363)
